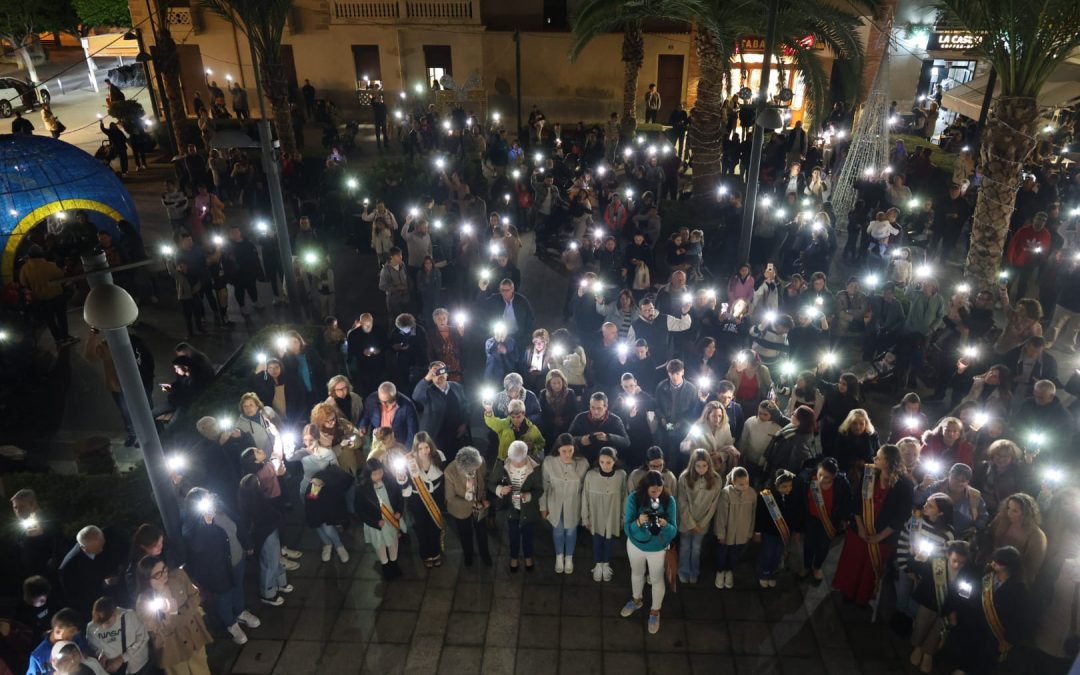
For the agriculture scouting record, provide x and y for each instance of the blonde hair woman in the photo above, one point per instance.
(696, 499)
(711, 431)
(1017, 523)
(856, 440)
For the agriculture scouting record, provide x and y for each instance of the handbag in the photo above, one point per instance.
(671, 567)
(642, 280)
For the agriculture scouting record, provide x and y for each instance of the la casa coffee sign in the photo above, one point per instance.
(952, 41)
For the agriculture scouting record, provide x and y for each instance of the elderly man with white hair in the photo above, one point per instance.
(1043, 423)
(89, 570)
(518, 483)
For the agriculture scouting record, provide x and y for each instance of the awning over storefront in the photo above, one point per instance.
(1062, 89)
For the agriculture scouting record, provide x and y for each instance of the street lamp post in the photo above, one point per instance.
(752, 180)
(110, 310)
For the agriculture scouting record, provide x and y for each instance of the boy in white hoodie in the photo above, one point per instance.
(118, 638)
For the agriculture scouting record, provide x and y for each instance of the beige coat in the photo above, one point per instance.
(562, 490)
(454, 482)
(175, 637)
(735, 511)
(697, 505)
(603, 499)
(670, 482)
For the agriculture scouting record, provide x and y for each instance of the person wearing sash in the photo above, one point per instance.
(698, 493)
(991, 619)
(422, 488)
(560, 504)
(879, 514)
(518, 482)
(380, 506)
(603, 497)
(467, 502)
(733, 525)
(929, 530)
(945, 581)
(824, 507)
(775, 511)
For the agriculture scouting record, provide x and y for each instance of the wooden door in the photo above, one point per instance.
(669, 82)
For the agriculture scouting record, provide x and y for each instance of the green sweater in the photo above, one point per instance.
(639, 535)
(926, 314)
(505, 431)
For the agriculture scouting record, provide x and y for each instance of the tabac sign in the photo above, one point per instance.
(952, 40)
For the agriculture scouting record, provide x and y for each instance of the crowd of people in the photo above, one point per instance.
(703, 418)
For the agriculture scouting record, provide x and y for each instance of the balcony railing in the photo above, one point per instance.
(406, 11)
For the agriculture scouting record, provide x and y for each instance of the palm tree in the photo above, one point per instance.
(167, 63)
(597, 17)
(263, 22)
(1024, 42)
(718, 25)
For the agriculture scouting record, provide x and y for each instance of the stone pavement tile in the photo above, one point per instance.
(886, 667)
(541, 599)
(473, 597)
(590, 662)
(701, 604)
(258, 657)
(319, 591)
(799, 666)
(794, 639)
(711, 664)
(502, 626)
(342, 658)
(466, 628)
(783, 604)
(438, 600)
(536, 661)
(443, 577)
(431, 624)
(612, 597)
(222, 654)
(828, 628)
(314, 624)
(582, 600)
(625, 635)
(498, 661)
(869, 641)
(743, 605)
(458, 660)
(672, 635)
(580, 632)
(537, 629)
(624, 663)
(707, 637)
(354, 625)
(367, 567)
(668, 664)
(385, 659)
(839, 661)
(277, 622)
(299, 657)
(423, 656)
(751, 637)
(404, 595)
(364, 594)
(756, 665)
(394, 627)
(335, 569)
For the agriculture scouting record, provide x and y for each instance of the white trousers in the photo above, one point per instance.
(639, 561)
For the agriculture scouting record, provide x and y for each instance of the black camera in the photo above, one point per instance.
(653, 522)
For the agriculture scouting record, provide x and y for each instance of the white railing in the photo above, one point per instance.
(406, 11)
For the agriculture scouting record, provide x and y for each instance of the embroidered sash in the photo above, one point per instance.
(389, 517)
(823, 513)
(940, 568)
(992, 618)
(777, 516)
(869, 476)
(429, 502)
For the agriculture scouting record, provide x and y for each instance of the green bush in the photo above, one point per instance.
(129, 112)
(122, 501)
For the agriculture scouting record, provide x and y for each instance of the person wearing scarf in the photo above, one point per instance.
(518, 483)
(467, 502)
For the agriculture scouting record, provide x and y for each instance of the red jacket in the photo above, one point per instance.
(1024, 242)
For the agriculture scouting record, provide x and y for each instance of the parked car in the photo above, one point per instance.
(16, 94)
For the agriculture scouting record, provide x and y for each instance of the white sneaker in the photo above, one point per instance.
(290, 552)
(342, 554)
(568, 565)
(276, 601)
(598, 572)
(326, 550)
(683, 580)
(608, 573)
(729, 579)
(719, 583)
(249, 619)
(772, 583)
(287, 588)
(764, 583)
(559, 564)
(289, 565)
(237, 633)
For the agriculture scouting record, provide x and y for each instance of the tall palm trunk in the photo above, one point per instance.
(877, 43)
(633, 56)
(277, 92)
(167, 62)
(706, 131)
(1007, 142)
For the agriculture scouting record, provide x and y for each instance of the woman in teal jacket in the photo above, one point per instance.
(650, 525)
